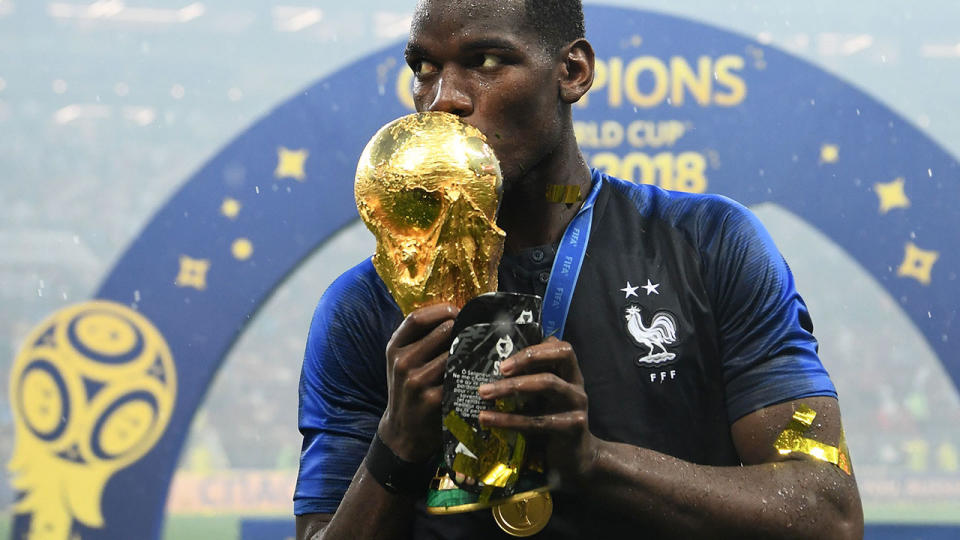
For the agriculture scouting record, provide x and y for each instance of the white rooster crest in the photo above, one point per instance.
(661, 332)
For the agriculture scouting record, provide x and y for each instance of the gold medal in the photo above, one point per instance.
(524, 517)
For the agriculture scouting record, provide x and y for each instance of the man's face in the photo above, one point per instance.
(477, 60)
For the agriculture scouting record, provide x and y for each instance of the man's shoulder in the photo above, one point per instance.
(354, 318)
(681, 209)
(359, 290)
(358, 282)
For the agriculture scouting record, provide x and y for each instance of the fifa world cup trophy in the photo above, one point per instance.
(428, 186)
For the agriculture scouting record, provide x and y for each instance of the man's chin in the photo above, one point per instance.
(516, 181)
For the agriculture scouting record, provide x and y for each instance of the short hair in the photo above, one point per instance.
(557, 22)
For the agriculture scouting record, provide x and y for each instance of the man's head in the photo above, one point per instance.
(557, 22)
(511, 68)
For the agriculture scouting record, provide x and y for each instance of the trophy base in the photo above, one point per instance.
(444, 497)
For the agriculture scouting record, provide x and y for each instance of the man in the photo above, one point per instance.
(645, 435)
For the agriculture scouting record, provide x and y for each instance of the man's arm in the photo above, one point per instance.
(368, 510)
(770, 496)
(776, 497)
(409, 427)
(310, 525)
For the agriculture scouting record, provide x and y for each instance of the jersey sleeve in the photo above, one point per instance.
(342, 386)
(765, 331)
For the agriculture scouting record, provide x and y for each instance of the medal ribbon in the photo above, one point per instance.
(566, 266)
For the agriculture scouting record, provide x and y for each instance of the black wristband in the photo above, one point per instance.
(395, 474)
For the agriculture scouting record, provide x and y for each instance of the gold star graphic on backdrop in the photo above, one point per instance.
(230, 207)
(829, 153)
(918, 263)
(193, 273)
(290, 163)
(891, 195)
(242, 249)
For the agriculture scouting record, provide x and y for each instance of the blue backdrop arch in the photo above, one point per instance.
(678, 103)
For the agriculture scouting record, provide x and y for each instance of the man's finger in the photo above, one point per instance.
(420, 353)
(419, 323)
(432, 397)
(552, 355)
(545, 386)
(434, 343)
(541, 424)
(431, 373)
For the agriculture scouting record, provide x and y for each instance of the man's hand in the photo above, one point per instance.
(416, 356)
(675, 498)
(547, 378)
(410, 427)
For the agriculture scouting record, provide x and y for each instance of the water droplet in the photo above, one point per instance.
(257, 189)
(136, 295)
(930, 173)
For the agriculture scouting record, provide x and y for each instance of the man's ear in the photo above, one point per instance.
(576, 73)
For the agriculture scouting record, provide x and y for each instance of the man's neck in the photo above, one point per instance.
(526, 215)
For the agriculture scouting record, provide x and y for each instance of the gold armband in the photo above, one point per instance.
(792, 440)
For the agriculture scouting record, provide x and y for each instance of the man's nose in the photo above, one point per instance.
(450, 97)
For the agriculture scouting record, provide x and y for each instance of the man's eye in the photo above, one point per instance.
(424, 68)
(491, 60)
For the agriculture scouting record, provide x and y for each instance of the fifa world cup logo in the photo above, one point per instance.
(92, 391)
